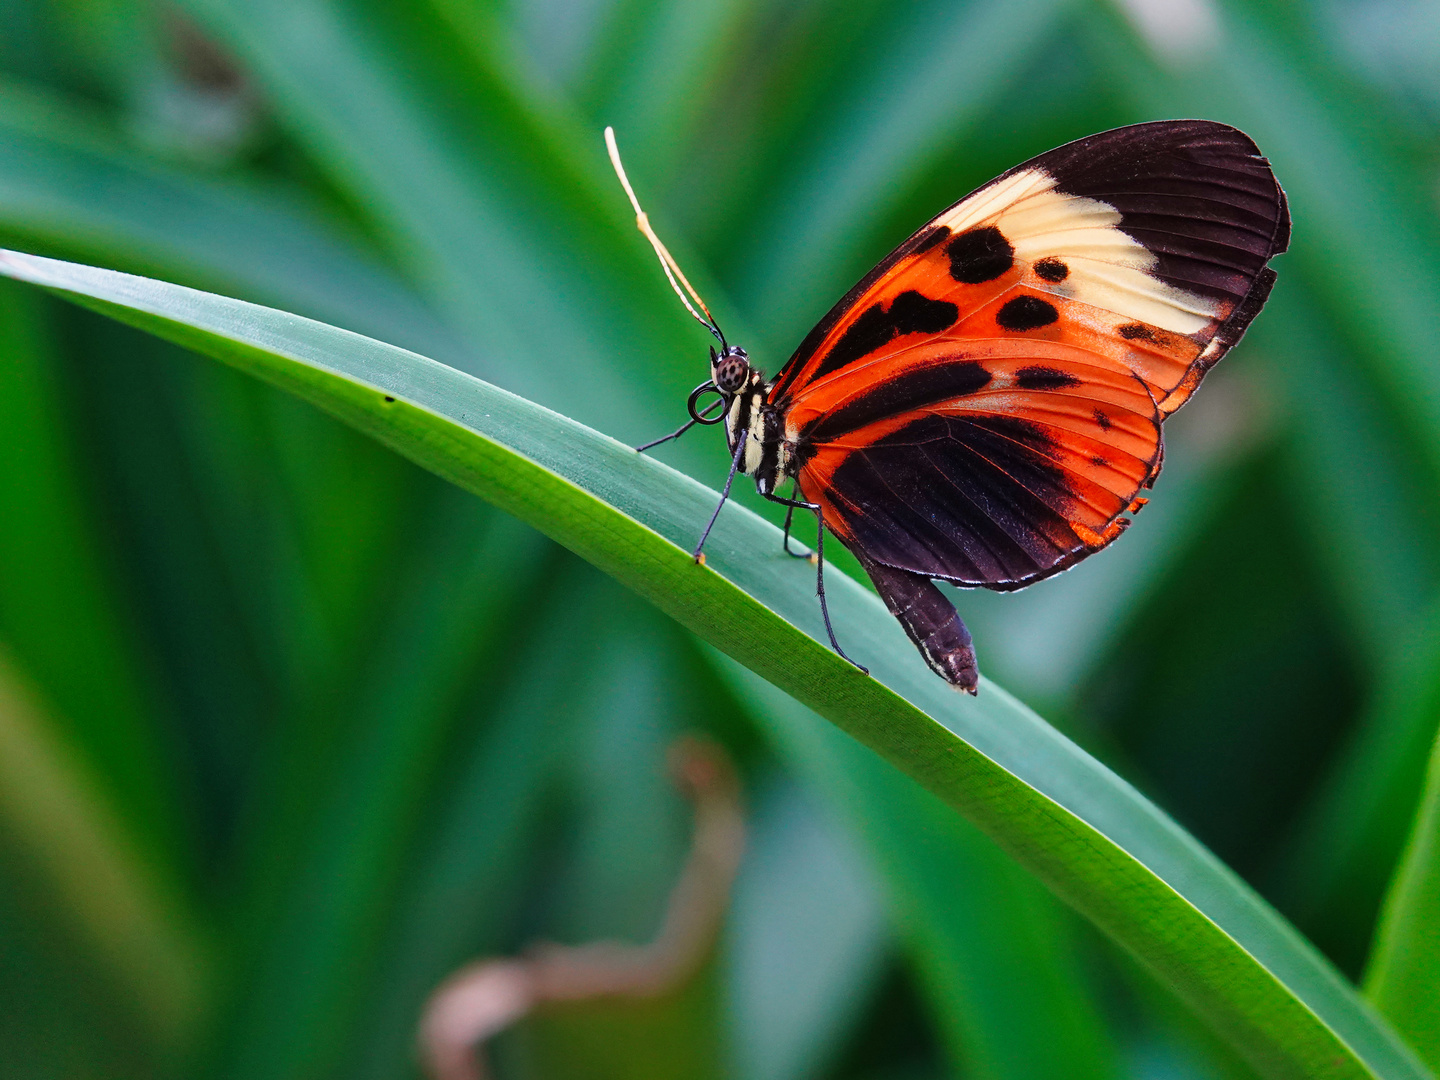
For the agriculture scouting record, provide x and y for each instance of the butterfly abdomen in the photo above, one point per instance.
(930, 620)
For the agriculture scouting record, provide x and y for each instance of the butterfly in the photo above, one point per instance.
(985, 406)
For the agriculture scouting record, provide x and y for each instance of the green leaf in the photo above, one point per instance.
(1082, 830)
(1403, 977)
(499, 218)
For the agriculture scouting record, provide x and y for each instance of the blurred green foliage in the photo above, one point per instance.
(343, 728)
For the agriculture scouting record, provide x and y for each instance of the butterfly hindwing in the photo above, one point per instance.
(993, 470)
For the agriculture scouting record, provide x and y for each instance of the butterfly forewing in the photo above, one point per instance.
(1165, 226)
(986, 404)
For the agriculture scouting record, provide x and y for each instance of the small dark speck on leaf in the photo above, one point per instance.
(389, 398)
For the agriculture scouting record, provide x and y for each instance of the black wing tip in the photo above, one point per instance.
(1195, 131)
(1095, 164)
(1100, 157)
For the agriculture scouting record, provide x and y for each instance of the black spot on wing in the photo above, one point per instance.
(911, 390)
(909, 313)
(1052, 269)
(980, 254)
(1104, 421)
(786, 378)
(872, 329)
(1038, 377)
(913, 313)
(1136, 332)
(1026, 313)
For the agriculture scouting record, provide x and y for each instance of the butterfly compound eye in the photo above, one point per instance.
(731, 370)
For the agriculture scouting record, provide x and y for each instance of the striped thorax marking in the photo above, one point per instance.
(767, 456)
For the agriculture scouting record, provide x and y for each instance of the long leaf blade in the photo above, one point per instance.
(68, 186)
(1086, 833)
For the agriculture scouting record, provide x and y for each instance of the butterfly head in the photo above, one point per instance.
(729, 369)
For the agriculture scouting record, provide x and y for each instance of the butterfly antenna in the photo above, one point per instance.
(667, 261)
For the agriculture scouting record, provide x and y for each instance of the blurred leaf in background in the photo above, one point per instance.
(319, 729)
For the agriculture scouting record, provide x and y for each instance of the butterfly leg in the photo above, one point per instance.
(820, 589)
(796, 504)
(706, 416)
(724, 496)
(666, 438)
(789, 514)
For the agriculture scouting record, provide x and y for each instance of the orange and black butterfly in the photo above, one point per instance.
(985, 406)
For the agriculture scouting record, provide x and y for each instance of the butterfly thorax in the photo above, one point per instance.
(767, 455)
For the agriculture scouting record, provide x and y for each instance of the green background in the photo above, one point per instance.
(307, 728)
